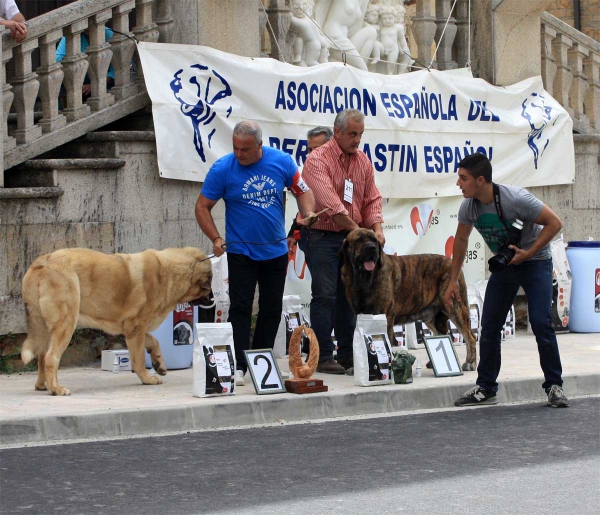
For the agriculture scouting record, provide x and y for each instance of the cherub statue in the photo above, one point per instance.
(389, 36)
(405, 61)
(309, 45)
(372, 20)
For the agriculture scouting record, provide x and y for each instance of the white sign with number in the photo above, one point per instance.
(443, 356)
(264, 371)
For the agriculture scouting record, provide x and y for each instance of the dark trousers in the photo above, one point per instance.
(329, 308)
(535, 277)
(244, 273)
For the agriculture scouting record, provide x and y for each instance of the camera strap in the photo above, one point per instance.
(498, 206)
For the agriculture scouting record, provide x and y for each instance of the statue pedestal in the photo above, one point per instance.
(305, 385)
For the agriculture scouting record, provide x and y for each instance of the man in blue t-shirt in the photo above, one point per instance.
(493, 209)
(251, 181)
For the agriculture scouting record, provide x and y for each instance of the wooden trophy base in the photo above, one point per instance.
(305, 385)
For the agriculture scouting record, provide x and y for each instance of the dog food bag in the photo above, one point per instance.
(372, 351)
(400, 335)
(561, 281)
(292, 316)
(220, 287)
(214, 361)
(508, 331)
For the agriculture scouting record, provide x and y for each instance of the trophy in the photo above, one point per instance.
(302, 372)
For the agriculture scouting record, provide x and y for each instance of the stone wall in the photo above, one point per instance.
(125, 209)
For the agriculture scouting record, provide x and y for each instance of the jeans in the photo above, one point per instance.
(329, 308)
(535, 277)
(244, 273)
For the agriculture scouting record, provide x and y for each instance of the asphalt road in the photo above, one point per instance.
(525, 458)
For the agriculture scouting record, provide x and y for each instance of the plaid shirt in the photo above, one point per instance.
(325, 173)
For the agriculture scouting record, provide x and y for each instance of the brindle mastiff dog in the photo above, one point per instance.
(405, 288)
(129, 294)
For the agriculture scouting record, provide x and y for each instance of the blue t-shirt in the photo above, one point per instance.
(253, 201)
(61, 50)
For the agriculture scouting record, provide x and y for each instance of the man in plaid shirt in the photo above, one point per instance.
(342, 180)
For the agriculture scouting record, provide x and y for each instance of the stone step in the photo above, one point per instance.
(31, 193)
(42, 172)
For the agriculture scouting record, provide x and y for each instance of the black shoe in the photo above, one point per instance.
(330, 366)
(556, 397)
(476, 396)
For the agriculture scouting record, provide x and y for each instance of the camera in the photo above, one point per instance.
(505, 254)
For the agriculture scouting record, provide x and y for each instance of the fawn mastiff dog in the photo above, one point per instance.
(129, 294)
(405, 288)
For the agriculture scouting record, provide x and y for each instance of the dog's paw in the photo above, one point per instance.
(41, 387)
(160, 368)
(152, 380)
(61, 391)
(468, 367)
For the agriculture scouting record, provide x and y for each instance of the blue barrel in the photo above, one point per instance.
(176, 337)
(584, 261)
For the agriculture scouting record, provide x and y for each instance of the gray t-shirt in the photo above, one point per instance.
(515, 203)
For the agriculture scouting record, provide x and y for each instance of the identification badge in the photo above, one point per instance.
(348, 191)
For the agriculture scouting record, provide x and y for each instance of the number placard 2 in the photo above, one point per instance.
(264, 371)
(442, 355)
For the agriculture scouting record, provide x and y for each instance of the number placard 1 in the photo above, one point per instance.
(442, 355)
(264, 371)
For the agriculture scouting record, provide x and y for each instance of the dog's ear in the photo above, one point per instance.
(343, 252)
(380, 253)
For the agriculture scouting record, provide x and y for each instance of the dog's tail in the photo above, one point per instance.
(37, 335)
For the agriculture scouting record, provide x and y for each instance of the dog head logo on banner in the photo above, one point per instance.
(539, 115)
(197, 105)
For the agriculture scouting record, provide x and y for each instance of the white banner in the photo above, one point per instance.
(418, 126)
(412, 226)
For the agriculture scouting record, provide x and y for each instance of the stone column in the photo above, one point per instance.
(548, 62)
(164, 20)
(580, 85)
(3, 126)
(145, 30)
(123, 49)
(99, 57)
(592, 99)
(444, 59)
(423, 30)
(462, 33)
(26, 87)
(50, 76)
(280, 17)
(8, 142)
(564, 76)
(75, 66)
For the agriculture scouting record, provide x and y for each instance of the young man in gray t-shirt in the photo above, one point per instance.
(530, 268)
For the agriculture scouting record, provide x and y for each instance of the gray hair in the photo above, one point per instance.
(246, 127)
(317, 131)
(341, 120)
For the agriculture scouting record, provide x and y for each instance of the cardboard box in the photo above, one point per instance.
(108, 360)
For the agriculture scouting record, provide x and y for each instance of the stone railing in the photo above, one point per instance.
(570, 70)
(34, 119)
(426, 27)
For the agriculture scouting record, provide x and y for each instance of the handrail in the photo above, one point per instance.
(57, 86)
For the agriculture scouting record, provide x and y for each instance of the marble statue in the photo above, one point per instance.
(309, 45)
(362, 33)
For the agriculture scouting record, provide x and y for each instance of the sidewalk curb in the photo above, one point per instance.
(266, 410)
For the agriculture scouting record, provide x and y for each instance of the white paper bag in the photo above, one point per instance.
(372, 351)
(214, 361)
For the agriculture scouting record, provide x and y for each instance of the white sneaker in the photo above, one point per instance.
(239, 378)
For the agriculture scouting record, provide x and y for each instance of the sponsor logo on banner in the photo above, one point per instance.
(449, 249)
(420, 218)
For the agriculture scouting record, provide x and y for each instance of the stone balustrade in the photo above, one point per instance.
(570, 71)
(55, 88)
